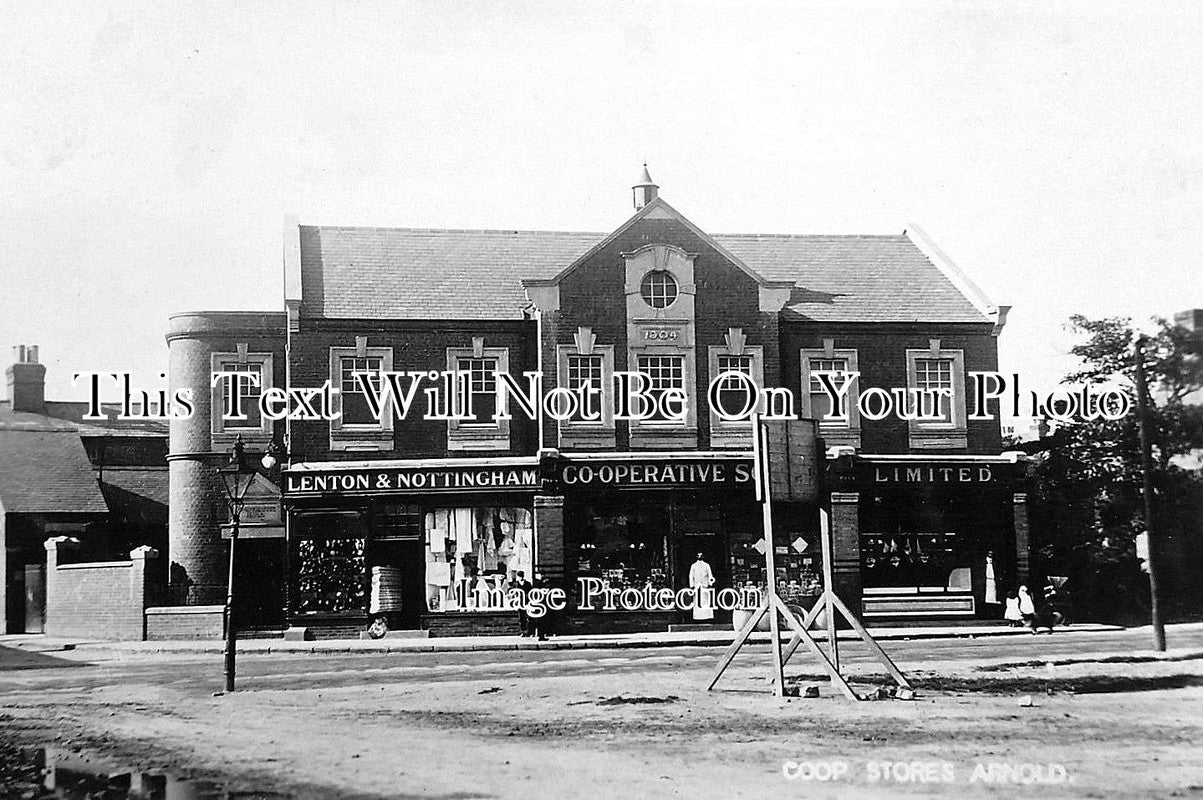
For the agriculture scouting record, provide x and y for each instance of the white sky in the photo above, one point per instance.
(149, 150)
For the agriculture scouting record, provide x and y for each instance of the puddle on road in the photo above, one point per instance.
(42, 773)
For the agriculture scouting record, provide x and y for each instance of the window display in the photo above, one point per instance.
(624, 546)
(912, 560)
(473, 555)
(330, 576)
(799, 574)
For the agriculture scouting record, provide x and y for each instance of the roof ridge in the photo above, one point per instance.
(545, 231)
(813, 235)
(452, 230)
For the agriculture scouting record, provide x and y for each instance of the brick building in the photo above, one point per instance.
(101, 482)
(928, 516)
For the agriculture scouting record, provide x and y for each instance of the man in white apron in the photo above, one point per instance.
(700, 580)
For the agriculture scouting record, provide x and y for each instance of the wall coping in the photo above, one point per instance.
(97, 565)
(186, 610)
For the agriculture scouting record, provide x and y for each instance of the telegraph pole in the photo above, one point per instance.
(1146, 467)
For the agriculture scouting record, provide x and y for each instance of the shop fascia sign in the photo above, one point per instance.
(934, 472)
(412, 479)
(571, 474)
(653, 473)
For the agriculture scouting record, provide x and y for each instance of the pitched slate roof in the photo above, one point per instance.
(428, 274)
(476, 274)
(855, 278)
(68, 415)
(47, 470)
(145, 481)
(44, 466)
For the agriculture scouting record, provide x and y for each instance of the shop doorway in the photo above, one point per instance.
(397, 581)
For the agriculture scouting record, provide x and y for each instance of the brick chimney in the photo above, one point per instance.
(27, 380)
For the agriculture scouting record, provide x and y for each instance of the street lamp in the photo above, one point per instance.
(271, 458)
(236, 477)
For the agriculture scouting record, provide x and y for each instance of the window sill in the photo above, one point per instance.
(946, 439)
(587, 438)
(840, 437)
(733, 438)
(368, 440)
(647, 437)
(490, 438)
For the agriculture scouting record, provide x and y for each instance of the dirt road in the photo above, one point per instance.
(631, 724)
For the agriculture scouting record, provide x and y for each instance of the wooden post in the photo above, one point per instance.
(828, 581)
(773, 605)
(766, 505)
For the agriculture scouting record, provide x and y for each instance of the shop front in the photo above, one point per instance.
(404, 544)
(939, 537)
(641, 521)
(438, 544)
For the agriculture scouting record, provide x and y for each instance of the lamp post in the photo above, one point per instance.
(236, 478)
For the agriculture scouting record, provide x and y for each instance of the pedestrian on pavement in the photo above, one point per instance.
(1012, 614)
(541, 625)
(1027, 606)
(522, 584)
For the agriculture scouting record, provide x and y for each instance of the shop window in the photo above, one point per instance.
(939, 376)
(734, 357)
(355, 427)
(480, 365)
(843, 426)
(624, 545)
(587, 364)
(254, 427)
(330, 576)
(917, 562)
(474, 555)
(327, 566)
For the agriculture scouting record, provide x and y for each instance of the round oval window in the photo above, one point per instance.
(659, 289)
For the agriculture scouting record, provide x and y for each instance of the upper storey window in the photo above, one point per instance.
(478, 366)
(482, 383)
(659, 289)
(937, 375)
(356, 410)
(934, 376)
(254, 373)
(355, 426)
(839, 417)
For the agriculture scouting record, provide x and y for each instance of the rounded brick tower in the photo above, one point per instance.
(200, 343)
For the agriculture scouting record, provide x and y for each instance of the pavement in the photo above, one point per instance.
(401, 644)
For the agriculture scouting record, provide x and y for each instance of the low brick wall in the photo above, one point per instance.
(185, 622)
(472, 623)
(102, 600)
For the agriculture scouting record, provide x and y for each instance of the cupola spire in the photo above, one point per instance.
(645, 191)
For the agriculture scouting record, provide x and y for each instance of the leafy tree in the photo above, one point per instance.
(1087, 507)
